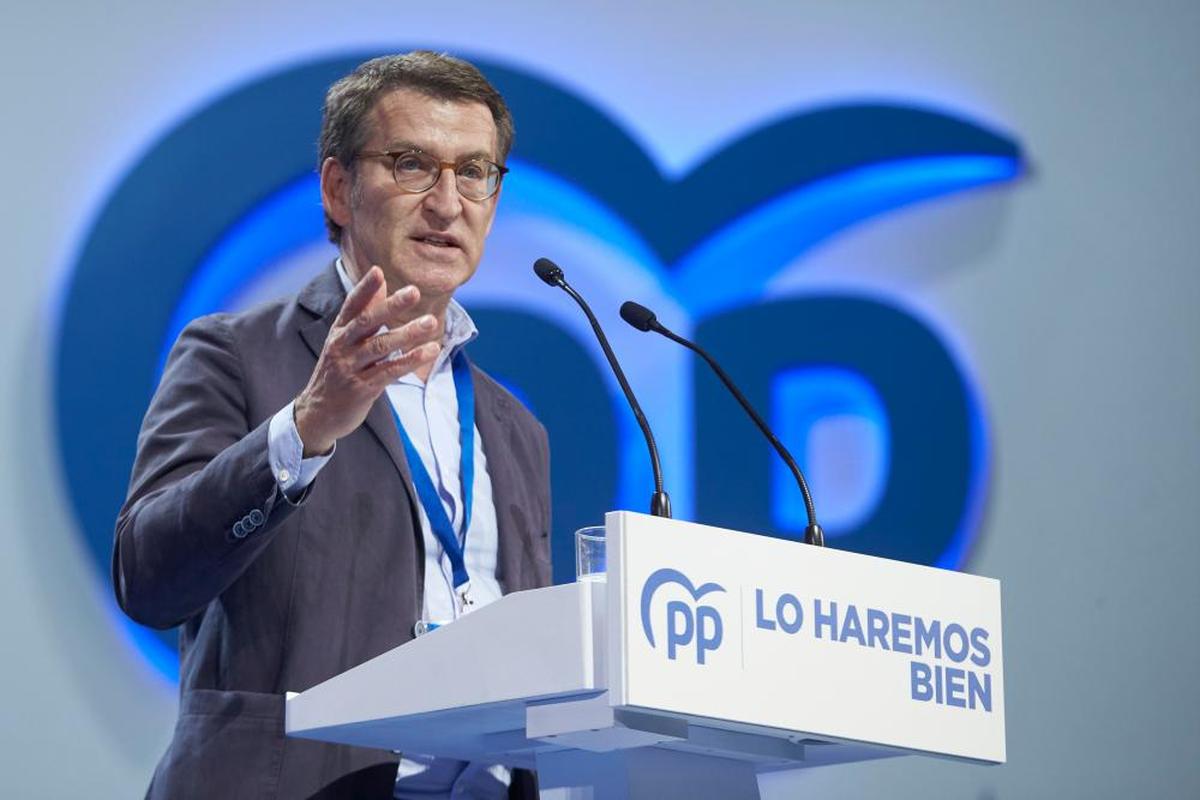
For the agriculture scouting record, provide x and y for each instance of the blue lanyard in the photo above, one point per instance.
(443, 528)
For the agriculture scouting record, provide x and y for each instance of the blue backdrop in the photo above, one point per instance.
(229, 196)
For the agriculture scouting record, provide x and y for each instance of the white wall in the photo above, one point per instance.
(1077, 315)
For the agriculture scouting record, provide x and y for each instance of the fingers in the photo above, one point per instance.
(404, 338)
(384, 372)
(392, 312)
(360, 296)
(356, 364)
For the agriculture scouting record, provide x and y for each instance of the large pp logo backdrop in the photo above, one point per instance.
(223, 211)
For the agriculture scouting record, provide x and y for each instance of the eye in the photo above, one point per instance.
(473, 171)
(410, 162)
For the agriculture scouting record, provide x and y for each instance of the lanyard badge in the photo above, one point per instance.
(463, 594)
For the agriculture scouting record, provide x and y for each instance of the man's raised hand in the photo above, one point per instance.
(354, 366)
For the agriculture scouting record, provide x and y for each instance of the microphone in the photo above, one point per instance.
(644, 319)
(552, 275)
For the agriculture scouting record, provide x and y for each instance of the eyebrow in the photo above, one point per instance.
(401, 145)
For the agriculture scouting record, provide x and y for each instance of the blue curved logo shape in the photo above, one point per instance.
(208, 207)
(660, 578)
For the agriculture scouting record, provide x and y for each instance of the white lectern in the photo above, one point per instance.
(706, 657)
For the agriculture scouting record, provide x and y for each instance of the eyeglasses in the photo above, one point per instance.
(416, 172)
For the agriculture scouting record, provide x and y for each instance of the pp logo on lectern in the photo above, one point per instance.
(686, 622)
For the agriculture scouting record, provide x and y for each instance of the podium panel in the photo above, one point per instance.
(704, 658)
(779, 635)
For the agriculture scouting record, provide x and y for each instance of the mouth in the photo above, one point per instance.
(437, 240)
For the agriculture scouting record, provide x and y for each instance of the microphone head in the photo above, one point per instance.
(638, 316)
(548, 271)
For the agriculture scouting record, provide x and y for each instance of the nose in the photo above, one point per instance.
(442, 200)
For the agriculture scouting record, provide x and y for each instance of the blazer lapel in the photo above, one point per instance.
(382, 424)
(493, 416)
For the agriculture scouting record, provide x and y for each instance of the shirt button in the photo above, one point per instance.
(285, 476)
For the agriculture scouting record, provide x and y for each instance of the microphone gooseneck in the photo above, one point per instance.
(644, 319)
(552, 275)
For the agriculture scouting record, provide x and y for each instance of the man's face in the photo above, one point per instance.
(434, 239)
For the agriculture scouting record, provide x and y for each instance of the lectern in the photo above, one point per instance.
(704, 658)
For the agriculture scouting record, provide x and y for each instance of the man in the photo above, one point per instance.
(311, 481)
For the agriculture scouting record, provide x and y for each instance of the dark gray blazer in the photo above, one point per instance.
(313, 589)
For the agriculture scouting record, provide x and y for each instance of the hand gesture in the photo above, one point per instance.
(355, 364)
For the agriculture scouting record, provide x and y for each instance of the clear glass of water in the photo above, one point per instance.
(589, 553)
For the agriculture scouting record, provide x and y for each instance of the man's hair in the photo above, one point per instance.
(344, 124)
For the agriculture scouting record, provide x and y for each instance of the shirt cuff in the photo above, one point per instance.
(285, 452)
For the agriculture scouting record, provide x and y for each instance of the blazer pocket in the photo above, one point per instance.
(226, 744)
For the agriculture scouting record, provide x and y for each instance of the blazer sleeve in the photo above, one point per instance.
(202, 502)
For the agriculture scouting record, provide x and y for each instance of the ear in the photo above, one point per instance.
(336, 184)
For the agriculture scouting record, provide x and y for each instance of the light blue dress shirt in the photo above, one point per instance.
(429, 412)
